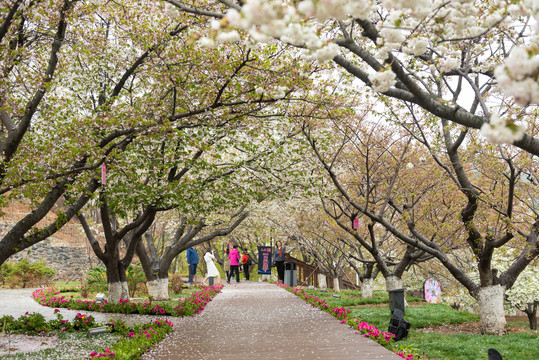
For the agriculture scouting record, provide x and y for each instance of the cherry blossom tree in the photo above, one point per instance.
(450, 58)
(156, 264)
(428, 190)
(108, 80)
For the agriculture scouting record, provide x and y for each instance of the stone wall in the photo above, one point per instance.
(70, 262)
(67, 251)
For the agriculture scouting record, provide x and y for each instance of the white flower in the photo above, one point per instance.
(280, 92)
(235, 19)
(382, 80)
(259, 90)
(327, 52)
(516, 76)
(230, 36)
(448, 64)
(170, 10)
(306, 7)
(259, 37)
(206, 43)
(392, 35)
(417, 46)
(361, 9)
(519, 64)
(409, 166)
(419, 7)
(499, 131)
(215, 24)
(383, 52)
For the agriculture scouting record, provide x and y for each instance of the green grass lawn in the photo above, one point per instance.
(513, 346)
(519, 346)
(418, 316)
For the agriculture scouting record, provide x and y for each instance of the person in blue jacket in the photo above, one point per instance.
(192, 262)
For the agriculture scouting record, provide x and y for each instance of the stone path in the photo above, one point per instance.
(254, 320)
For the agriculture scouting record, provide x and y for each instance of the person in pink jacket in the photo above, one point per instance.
(235, 257)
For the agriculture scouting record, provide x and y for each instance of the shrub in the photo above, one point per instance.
(175, 283)
(136, 279)
(25, 274)
(5, 270)
(96, 278)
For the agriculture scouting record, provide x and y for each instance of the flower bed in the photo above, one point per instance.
(135, 341)
(384, 338)
(36, 324)
(191, 305)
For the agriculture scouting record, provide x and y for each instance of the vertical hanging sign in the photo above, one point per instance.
(355, 224)
(104, 174)
(264, 260)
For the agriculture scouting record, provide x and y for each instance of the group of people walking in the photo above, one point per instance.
(232, 261)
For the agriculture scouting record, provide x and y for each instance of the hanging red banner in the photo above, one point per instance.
(104, 174)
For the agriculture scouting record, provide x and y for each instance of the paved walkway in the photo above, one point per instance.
(246, 321)
(19, 301)
(254, 320)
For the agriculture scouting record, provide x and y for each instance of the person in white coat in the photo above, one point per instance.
(209, 258)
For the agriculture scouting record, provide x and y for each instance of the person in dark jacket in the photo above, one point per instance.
(246, 263)
(192, 262)
(279, 256)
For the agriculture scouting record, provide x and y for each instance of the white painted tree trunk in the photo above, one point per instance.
(491, 312)
(366, 288)
(393, 282)
(158, 289)
(336, 285)
(322, 282)
(266, 278)
(118, 290)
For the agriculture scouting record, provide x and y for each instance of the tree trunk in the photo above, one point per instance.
(336, 285)
(158, 289)
(118, 290)
(366, 288)
(393, 282)
(322, 283)
(491, 310)
(116, 279)
(531, 312)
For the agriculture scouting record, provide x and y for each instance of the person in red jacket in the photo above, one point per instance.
(246, 262)
(234, 264)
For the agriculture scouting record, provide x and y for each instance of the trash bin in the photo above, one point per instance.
(399, 327)
(397, 324)
(210, 280)
(396, 301)
(290, 274)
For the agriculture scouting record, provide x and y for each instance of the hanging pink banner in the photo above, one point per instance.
(355, 224)
(104, 174)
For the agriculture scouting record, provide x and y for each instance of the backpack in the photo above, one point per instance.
(245, 259)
